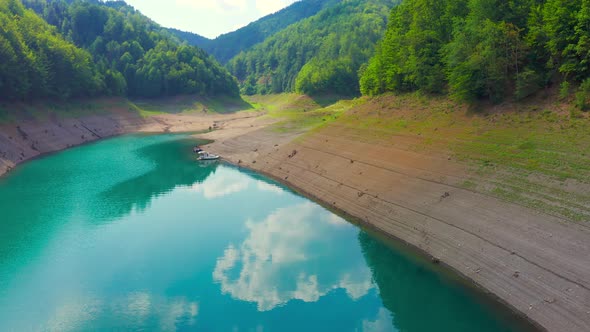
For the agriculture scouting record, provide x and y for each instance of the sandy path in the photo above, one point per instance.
(535, 263)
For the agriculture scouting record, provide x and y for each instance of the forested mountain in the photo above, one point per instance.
(191, 38)
(228, 45)
(36, 62)
(132, 55)
(483, 48)
(321, 54)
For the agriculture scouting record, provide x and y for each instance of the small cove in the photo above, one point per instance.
(132, 233)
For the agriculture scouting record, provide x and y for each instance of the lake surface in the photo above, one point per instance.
(132, 233)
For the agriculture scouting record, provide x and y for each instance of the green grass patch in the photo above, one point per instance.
(524, 140)
(303, 114)
(190, 105)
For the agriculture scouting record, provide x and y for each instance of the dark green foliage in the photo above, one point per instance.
(564, 90)
(35, 62)
(483, 59)
(328, 76)
(321, 54)
(134, 55)
(192, 38)
(228, 45)
(583, 96)
(409, 57)
(481, 49)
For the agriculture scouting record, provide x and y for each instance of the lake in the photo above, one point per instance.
(132, 233)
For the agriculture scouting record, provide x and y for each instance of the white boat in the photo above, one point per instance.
(203, 155)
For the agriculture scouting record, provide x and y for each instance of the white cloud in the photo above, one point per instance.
(381, 324)
(230, 182)
(222, 6)
(336, 221)
(133, 309)
(265, 186)
(266, 7)
(72, 314)
(272, 265)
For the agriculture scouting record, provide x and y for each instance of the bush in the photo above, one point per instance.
(564, 90)
(583, 96)
(527, 83)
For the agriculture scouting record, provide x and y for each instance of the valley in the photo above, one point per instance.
(454, 132)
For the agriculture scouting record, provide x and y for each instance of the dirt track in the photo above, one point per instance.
(536, 263)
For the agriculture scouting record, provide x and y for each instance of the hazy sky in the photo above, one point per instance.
(208, 18)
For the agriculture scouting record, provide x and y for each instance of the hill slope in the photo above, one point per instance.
(228, 45)
(36, 62)
(191, 38)
(320, 54)
(135, 55)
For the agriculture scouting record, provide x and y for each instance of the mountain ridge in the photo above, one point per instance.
(230, 44)
(320, 54)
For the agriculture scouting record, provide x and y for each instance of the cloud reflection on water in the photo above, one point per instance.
(290, 256)
(132, 310)
(381, 324)
(227, 182)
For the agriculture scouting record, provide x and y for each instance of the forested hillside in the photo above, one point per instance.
(228, 45)
(130, 54)
(191, 38)
(490, 49)
(36, 62)
(321, 54)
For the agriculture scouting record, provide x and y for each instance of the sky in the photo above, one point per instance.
(208, 18)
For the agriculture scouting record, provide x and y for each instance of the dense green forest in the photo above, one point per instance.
(483, 49)
(36, 62)
(228, 45)
(321, 54)
(94, 48)
(191, 38)
(470, 49)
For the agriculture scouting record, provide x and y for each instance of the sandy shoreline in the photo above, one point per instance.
(28, 139)
(535, 263)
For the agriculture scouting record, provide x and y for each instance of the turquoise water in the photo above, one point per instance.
(133, 234)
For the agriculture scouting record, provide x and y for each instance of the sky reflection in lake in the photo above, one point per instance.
(132, 233)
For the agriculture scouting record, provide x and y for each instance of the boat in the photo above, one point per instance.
(203, 155)
(197, 149)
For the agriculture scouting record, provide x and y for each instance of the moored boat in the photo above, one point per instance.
(203, 155)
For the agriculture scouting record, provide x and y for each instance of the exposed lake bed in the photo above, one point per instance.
(133, 233)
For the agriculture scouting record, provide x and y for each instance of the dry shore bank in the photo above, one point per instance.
(26, 139)
(536, 263)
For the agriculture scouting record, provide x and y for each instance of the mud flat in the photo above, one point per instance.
(537, 264)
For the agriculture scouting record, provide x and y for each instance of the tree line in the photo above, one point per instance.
(228, 45)
(483, 49)
(64, 49)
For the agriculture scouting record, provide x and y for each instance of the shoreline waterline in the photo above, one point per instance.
(509, 312)
(461, 274)
(119, 193)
